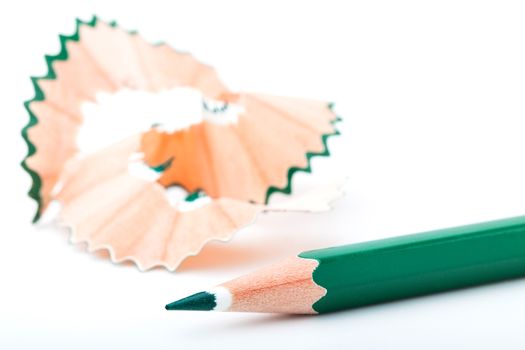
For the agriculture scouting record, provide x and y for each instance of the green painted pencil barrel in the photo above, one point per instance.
(408, 266)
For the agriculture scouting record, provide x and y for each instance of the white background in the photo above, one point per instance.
(432, 94)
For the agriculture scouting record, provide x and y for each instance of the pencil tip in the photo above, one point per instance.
(202, 301)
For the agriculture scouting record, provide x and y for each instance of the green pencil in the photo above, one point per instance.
(355, 275)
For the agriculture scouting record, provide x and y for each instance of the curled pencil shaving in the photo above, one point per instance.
(238, 164)
(110, 208)
(97, 57)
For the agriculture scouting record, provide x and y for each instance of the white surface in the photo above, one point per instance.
(432, 96)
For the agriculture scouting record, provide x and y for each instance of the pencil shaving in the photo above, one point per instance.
(116, 192)
(108, 207)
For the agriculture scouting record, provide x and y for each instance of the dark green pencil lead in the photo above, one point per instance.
(201, 301)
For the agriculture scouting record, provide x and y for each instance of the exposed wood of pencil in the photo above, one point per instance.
(285, 287)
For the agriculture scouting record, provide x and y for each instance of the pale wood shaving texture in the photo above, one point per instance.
(104, 59)
(244, 159)
(109, 208)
